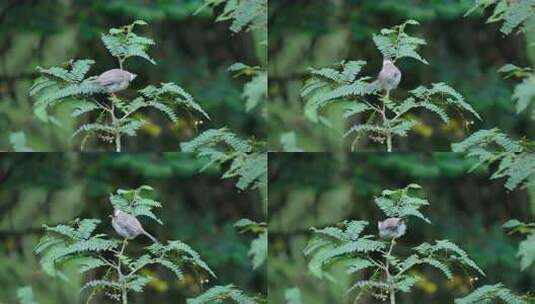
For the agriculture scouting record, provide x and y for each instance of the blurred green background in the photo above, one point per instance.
(462, 51)
(191, 50)
(198, 209)
(467, 209)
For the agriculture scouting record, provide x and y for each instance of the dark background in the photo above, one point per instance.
(462, 51)
(468, 209)
(198, 209)
(192, 51)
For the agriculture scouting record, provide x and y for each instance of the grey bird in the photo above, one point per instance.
(388, 78)
(391, 228)
(128, 226)
(114, 80)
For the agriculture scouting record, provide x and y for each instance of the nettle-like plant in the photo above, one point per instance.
(246, 158)
(526, 248)
(514, 159)
(247, 163)
(259, 246)
(380, 118)
(488, 294)
(249, 16)
(117, 272)
(114, 116)
(516, 14)
(220, 146)
(374, 255)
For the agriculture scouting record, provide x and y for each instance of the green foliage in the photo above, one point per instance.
(173, 255)
(515, 159)
(379, 122)
(346, 242)
(289, 142)
(134, 202)
(166, 96)
(514, 14)
(524, 92)
(25, 295)
(221, 295)
(293, 296)
(116, 118)
(526, 248)
(222, 146)
(18, 142)
(398, 203)
(394, 43)
(244, 14)
(255, 91)
(78, 244)
(489, 293)
(259, 246)
(58, 84)
(123, 43)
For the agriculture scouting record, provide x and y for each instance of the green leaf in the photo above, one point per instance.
(222, 294)
(18, 142)
(25, 295)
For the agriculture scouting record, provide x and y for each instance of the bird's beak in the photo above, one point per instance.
(132, 76)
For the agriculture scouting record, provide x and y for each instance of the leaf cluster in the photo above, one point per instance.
(489, 293)
(78, 243)
(526, 248)
(515, 159)
(135, 202)
(343, 84)
(115, 117)
(259, 246)
(255, 90)
(222, 295)
(123, 43)
(384, 271)
(518, 14)
(394, 43)
(221, 146)
(524, 91)
(243, 14)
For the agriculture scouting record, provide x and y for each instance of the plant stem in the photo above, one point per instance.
(120, 274)
(389, 278)
(117, 142)
(115, 124)
(387, 124)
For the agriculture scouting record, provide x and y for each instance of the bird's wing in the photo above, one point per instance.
(111, 77)
(133, 222)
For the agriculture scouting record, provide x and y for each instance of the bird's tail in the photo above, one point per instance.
(150, 236)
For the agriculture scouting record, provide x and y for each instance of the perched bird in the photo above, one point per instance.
(392, 227)
(128, 226)
(114, 80)
(388, 78)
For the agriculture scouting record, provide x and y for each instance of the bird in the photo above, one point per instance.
(388, 78)
(114, 80)
(128, 226)
(392, 228)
